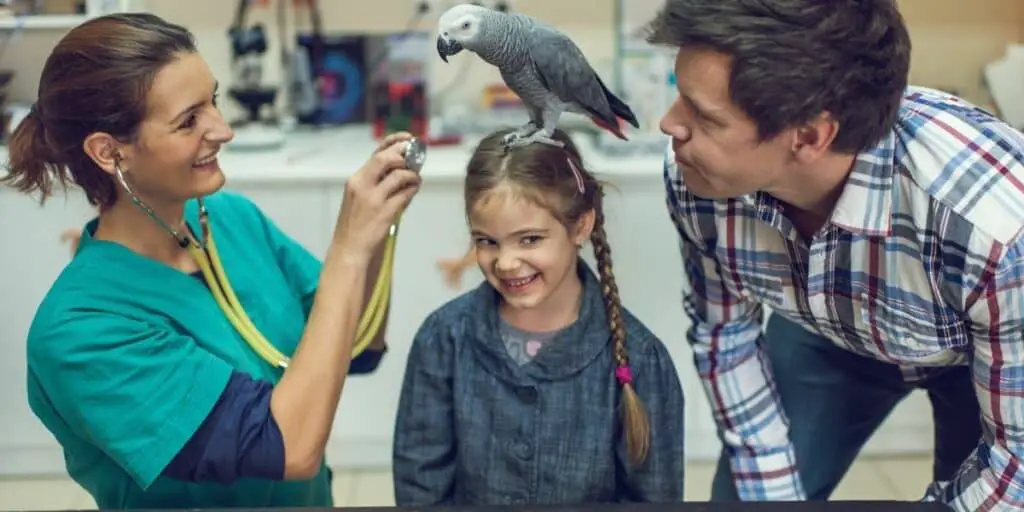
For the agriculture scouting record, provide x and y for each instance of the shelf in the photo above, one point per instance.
(42, 21)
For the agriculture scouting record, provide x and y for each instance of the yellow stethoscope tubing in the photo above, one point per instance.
(370, 321)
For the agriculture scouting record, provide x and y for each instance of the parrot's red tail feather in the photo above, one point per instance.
(615, 129)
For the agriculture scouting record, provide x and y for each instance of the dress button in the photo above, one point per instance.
(527, 394)
(524, 449)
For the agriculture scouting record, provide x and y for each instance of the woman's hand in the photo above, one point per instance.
(374, 197)
(305, 401)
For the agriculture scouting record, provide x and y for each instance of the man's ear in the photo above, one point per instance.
(584, 227)
(105, 150)
(815, 138)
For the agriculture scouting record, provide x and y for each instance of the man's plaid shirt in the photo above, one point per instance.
(920, 265)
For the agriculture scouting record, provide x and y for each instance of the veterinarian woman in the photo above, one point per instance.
(135, 359)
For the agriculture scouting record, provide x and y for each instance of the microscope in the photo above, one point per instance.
(248, 48)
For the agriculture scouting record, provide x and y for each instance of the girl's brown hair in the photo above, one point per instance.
(555, 179)
(96, 80)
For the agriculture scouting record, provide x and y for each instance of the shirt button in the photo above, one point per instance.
(527, 394)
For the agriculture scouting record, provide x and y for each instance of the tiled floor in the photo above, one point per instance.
(869, 479)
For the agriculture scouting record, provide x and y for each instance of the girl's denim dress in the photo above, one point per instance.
(476, 427)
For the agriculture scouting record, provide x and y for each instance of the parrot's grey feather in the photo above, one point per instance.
(537, 62)
(564, 69)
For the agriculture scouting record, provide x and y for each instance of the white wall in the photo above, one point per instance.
(953, 39)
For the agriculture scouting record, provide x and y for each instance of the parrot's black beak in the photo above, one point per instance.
(446, 48)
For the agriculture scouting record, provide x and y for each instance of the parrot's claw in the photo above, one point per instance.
(537, 136)
(551, 142)
(524, 131)
(510, 139)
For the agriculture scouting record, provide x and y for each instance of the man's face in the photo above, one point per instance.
(716, 145)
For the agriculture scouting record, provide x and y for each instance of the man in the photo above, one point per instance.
(880, 223)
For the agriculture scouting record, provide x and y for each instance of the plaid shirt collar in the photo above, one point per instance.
(865, 206)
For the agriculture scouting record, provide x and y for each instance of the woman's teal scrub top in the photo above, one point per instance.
(127, 356)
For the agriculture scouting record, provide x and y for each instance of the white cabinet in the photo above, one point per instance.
(31, 256)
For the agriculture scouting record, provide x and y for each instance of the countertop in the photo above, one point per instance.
(333, 154)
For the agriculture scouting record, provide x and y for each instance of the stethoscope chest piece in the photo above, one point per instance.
(415, 153)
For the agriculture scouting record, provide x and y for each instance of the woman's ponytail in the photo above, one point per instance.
(32, 165)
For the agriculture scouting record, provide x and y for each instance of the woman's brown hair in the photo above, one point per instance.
(556, 179)
(96, 80)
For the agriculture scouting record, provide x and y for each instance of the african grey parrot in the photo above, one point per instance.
(539, 63)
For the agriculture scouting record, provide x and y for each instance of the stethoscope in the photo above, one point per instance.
(208, 259)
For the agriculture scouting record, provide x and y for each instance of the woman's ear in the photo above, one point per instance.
(104, 150)
(584, 227)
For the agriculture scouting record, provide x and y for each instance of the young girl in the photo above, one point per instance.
(538, 387)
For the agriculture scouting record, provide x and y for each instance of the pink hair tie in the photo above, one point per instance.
(624, 375)
(576, 174)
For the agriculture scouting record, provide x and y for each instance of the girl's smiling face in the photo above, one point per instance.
(525, 252)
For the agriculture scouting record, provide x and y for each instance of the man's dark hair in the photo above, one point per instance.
(794, 59)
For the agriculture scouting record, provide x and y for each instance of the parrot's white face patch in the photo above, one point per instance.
(527, 255)
(462, 30)
(460, 23)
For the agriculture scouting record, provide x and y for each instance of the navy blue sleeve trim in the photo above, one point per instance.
(367, 362)
(238, 439)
